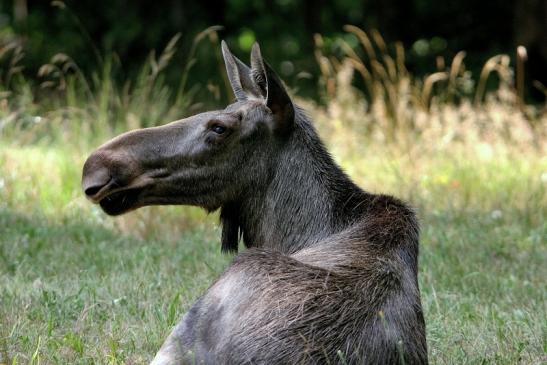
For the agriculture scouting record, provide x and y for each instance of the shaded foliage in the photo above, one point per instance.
(130, 29)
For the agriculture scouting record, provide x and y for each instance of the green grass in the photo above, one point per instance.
(79, 287)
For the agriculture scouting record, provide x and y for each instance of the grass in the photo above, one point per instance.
(79, 287)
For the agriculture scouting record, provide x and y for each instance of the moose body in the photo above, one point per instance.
(330, 273)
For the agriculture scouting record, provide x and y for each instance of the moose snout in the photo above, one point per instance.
(95, 177)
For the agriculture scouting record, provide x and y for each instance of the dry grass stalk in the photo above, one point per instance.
(455, 68)
(402, 107)
(428, 86)
(522, 56)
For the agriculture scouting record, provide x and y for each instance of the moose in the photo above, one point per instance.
(329, 273)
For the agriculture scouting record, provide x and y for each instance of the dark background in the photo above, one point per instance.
(285, 28)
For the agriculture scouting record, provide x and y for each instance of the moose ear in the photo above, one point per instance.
(272, 90)
(239, 75)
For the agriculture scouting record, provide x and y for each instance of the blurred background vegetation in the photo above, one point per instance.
(127, 64)
(88, 31)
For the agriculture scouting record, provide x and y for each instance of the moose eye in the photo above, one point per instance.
(218, 129)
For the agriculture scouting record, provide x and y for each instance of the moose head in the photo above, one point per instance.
(207, 160)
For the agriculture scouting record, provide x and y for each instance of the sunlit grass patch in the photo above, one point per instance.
(46, 180)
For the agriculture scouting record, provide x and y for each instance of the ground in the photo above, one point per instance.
(79, 287)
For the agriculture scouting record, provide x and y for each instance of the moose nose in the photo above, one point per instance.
(94, 177)
(92, 183)
(92, 190)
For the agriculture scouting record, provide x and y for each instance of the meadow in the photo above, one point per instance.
(79, 287)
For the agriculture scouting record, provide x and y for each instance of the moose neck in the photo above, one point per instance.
(305, 201)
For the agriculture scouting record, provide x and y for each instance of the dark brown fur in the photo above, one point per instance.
(330, 274)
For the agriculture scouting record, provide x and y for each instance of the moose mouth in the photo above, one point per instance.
(120, 202)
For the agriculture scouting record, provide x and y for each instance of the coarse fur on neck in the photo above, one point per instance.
(307, 198)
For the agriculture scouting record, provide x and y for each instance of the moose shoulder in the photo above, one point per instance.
(330, 274)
